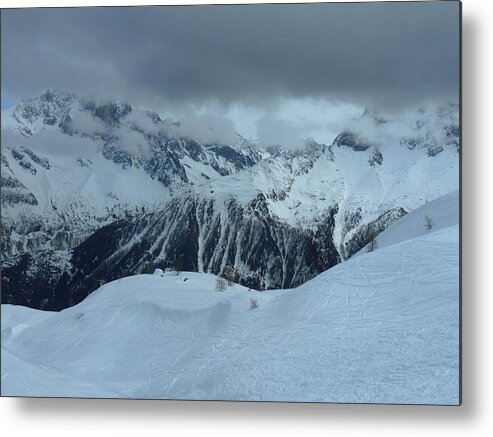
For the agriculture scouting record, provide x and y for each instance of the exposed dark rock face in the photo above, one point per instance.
(376, 158)
(51, 107)
(265, 251)
(349, 139)
(452, 135)
(43, 162)
(432, 147)
(434, 150)
(366, 232)
(13, 192)
(110, 113)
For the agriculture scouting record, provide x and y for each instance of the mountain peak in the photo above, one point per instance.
(45, 110)
(350, 139)
(110, 112)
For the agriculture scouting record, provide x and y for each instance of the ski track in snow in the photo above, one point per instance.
(380, 327)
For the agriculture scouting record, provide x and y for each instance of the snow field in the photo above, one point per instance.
(380, 327)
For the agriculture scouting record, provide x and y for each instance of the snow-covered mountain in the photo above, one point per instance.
(73, 165)
(381, 327)
(93, 191)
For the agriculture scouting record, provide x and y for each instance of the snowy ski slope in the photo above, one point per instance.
(380, 327)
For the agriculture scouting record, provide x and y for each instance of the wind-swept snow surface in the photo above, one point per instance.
(380, 327)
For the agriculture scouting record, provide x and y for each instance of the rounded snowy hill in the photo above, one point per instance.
(380, 327)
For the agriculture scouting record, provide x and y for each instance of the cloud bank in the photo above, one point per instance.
(385, 53)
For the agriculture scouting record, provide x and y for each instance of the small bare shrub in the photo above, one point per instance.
(428, 223)
(220, 284)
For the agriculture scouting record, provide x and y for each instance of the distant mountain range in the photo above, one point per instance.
(93, 191)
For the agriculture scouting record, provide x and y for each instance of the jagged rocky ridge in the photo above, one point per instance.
(266, 252)
(279, 217)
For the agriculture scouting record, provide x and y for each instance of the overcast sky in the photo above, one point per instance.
(246, 62)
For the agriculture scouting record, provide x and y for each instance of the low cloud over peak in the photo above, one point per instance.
(384, 53)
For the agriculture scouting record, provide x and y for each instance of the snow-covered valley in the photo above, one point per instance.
(382, 326)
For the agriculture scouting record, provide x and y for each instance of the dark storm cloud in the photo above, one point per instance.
(373, 53)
